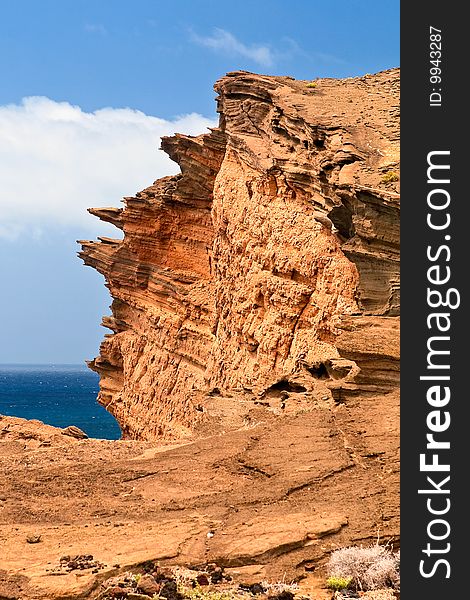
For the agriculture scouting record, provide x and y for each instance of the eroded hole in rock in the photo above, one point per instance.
(279, 389)
(259, 301)
(318, 371)
(341, 217)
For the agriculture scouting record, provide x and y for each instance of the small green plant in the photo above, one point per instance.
(389, 177)
(312, 84)
(338, 583)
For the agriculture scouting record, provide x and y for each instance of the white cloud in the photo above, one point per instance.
(226, 42)
(57, 160)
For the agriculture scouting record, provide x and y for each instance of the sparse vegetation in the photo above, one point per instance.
(390, 177)
(312, 84)
(372, 568)
(180, 583)
(200, 593)
(276, 589)
(338, 583)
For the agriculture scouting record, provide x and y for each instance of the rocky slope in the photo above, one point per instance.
(239, 277)
(253, 360)
(268, 501)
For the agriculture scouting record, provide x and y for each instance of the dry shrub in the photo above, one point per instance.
(372, 568)
(379, 595)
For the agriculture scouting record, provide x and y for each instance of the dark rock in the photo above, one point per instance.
(202, 579)
(285, 595)
(148, 566)
(33, 539)
(256, 589)
(217, 575)
(148, 585)
(169, 590)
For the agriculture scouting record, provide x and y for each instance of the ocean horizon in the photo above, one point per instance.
(56, 394)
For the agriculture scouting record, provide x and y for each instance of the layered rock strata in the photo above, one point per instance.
(253, 359)
(239, 274)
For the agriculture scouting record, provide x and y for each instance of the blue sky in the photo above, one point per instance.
(88, 87)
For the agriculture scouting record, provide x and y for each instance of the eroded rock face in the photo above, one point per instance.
(255, 322)
(268, 266)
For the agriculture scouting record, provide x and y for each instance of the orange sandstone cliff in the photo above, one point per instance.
(255, 317)
(253, 360)
(267, 271)
(255, 322)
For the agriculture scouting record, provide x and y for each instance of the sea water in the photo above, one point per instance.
(59, 395)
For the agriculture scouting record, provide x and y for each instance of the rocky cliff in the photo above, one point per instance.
(267, 271)
(253, 360)
(255, 322)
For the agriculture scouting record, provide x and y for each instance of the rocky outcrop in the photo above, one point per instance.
(254, 337)
(262, 268)
(255, 324)
(273, 495)
(33, 434)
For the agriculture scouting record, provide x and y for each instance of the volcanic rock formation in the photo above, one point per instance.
(253, 360)
(255, 318)
(267, 269)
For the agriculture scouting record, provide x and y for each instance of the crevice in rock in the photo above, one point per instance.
(319, 480)
(255, 469)
(341, 217)
(319, 371)
(275, 390)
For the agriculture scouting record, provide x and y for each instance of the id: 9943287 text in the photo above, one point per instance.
(435, 70)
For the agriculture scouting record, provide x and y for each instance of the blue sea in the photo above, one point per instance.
(59, 395)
